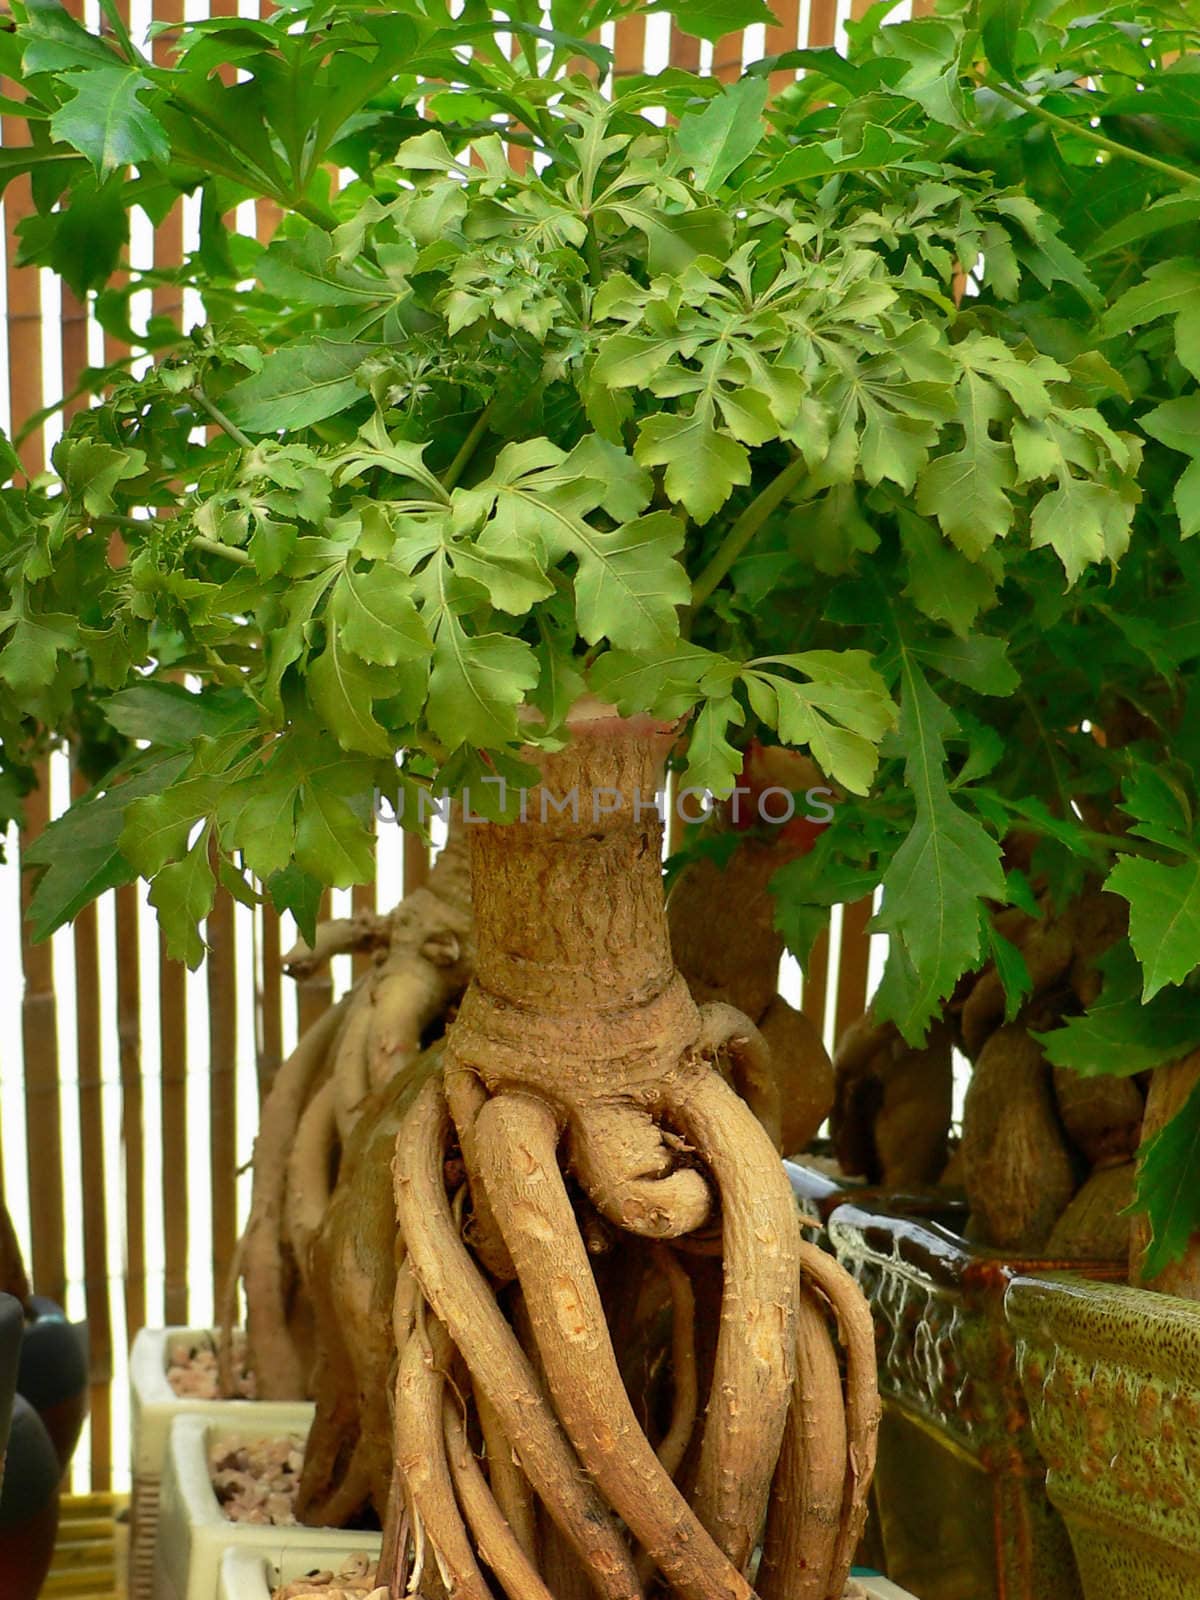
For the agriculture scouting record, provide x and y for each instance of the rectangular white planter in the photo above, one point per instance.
(154, 1405)
(250, 1575)
(194, 1533)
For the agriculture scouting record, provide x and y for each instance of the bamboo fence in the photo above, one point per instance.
(129, 1092)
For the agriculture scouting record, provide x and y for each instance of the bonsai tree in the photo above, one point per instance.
(506, 480)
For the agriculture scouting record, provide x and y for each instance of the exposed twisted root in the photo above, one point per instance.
(466, 1097)
(755, 1357)
(272, 1353)
(338, 936)
(857, 1334)
(309, 1183)
(493, 1535)
(809, 1487)
(683, 1362)
(461, 1298)
(518, 1139)
(421, 1456)
(508, 1483)
(350, 1080)
(624, 1163)
(725, 1030)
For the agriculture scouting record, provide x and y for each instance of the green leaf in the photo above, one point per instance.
(478, 682)
(1012, 971)
(703, 466)
(1176, 423)
(981, 662)
(1164, 917)
(629, 583)
(946, 866)
(1167, 1189)
(333, 843)
(30, 658)
(375, 617)
(713, 764)
(292, 889)
(840, 714)
(714, 142)
(1168, 288)
(171, 716)
(343, 689)
(299, 384)
(105, 121)
(965, 490)
(306, 271)
(1120, 1035)
(713, 19)
(182, 894)
(1000, 25)
(943, 583)
(80, 849)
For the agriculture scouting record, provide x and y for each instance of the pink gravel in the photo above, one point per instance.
(192, 1368)
(255, 1480)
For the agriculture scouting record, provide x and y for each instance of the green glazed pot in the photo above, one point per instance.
(1112, 1378)
(960, 1486)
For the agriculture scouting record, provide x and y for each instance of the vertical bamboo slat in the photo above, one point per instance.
(129, 1043)
(43, 1106)
(363, 900)
(221, 973)
(270, 1001)
(629, 47)
(683, 51)
(172, 1013)
(416, 861)
(853, 964)
(822, 22)
(782, 36)
(816, 977)
(91, 1197)
(314, 993)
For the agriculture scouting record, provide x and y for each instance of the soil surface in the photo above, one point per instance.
(255, 1480)
(192, 1369)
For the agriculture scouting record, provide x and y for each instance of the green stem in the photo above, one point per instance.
(591, 254)
(214, 547)
(1180, 174)
(1122, 844)
(221, 420)
(744, 529)
(468, 448)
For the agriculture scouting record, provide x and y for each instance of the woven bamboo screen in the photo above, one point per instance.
(129, 1089)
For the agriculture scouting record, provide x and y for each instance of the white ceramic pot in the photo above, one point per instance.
(194, 1534)
(154, 1405)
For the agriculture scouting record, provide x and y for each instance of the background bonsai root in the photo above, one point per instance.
(371, 1039)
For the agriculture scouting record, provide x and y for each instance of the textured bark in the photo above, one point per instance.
(891, 1117)
(1018, 1170)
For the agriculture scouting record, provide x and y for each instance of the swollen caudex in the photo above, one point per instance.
(578, 1073)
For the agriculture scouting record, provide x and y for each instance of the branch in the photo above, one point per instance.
(746, 526)
(1081, 131)
(221, 420)
(468, 448)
